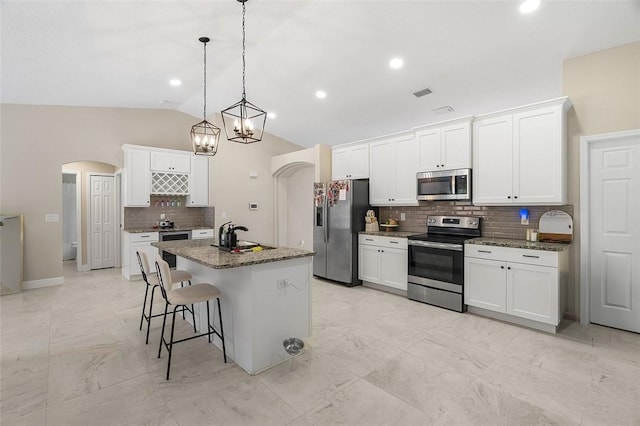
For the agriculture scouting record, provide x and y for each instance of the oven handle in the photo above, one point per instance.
(429, 244)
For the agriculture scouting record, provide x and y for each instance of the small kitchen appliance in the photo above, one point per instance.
(436, 261)
(227, 238)
(444, 185)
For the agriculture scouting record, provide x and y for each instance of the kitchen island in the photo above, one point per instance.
(266, 297)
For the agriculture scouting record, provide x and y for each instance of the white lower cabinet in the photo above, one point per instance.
(199, 234)
(383, 260)
(521, 283)
(132, 242)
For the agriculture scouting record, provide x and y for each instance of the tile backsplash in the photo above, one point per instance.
(184, 217)
(497, 222)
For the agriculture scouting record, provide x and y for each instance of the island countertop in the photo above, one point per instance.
(206, 253)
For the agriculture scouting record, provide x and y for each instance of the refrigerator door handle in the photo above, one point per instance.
(324, 219)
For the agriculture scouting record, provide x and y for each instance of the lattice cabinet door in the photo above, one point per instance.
(169, 183)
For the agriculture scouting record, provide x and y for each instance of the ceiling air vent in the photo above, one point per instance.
(443, 110)
(422, 92)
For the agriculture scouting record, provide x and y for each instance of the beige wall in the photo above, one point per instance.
(85, 168)
(604, 88)
(35, 141)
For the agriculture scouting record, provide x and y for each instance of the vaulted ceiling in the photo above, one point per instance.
(476, 56)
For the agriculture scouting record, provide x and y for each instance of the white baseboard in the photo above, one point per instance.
(47, 282)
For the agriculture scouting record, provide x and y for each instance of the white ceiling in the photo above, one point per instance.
(477, 56)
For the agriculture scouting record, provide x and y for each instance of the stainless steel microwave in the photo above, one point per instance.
(444, 185)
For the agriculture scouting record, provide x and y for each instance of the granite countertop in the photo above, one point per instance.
(524, 244)
(175, 229)
(397, 234)
(202, 252)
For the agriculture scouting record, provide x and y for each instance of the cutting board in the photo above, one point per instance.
(556, 227)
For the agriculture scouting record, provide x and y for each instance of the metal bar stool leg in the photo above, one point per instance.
(173, 326)
(153, 290)
(209, 326)
(144, 304)
(224, 350)
(164, 320)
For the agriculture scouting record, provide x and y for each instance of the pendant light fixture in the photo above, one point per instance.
(244, 122)
(204, 135)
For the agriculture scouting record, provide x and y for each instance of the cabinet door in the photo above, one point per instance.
(539, 157)
(429, 146)
(199, 182)
(160, 161)
(369, 263)
(359, 162)
(492, 161)
(533, 292)
(456, 146)
(181, 163)
(394, 268)
(381, 173)
(340, 164)
(405, 168)
(485, 284)
(133, 258)
(137, 178)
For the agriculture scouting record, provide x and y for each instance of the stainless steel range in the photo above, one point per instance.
(436, 261)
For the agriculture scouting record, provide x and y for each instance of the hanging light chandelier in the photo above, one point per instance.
(204, 135)
(243, 121)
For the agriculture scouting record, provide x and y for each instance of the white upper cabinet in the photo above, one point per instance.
(169, 162)
(350, 162)
(137, 178)
(393, 167)
(445, 146)
(519, 156)
(199, 182)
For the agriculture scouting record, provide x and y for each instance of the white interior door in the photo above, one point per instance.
(614, 202)
(102, 214)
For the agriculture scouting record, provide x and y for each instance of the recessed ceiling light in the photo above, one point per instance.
(396, 63)
(271, 115)
(321, 94)
(175, 82)
(528, 6)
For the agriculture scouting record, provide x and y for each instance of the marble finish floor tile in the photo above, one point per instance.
(73, 354)
(420, 382)
(484, 404)
(246, 402)
(307, 380)
(360, 403)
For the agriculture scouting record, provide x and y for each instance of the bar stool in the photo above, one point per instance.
(181, 297)
(151, 280)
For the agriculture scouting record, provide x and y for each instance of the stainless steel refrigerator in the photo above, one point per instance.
(339, 212)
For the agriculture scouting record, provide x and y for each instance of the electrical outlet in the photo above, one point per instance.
(223, 215)
(403, 216)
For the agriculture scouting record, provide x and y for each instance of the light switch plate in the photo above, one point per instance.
(52, 217)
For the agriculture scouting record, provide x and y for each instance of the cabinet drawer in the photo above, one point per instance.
(528, 256)
(143, 236)
(201, 233)
(391, 242)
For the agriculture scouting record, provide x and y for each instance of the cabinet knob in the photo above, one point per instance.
(502, 267)
(442, 165)
(509, 196)
(509, 267)
(515, 196)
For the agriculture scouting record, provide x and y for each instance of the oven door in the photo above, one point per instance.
(437, 265)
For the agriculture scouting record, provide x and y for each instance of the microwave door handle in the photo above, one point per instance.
(453, 185)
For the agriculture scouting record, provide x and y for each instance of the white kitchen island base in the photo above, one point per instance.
(262, 305)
